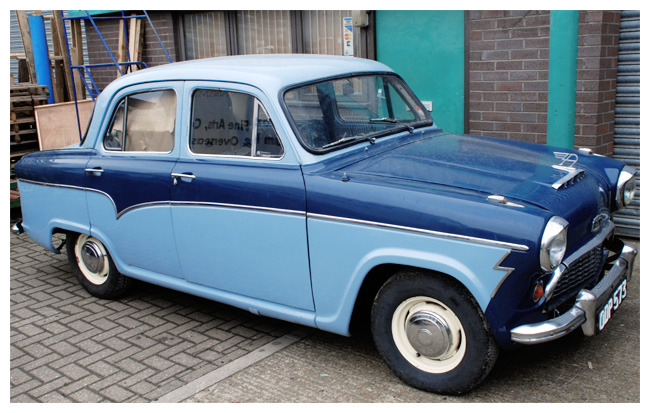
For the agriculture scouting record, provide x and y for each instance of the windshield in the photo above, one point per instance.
(334, 113)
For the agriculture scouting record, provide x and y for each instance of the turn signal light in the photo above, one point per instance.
(538, 292)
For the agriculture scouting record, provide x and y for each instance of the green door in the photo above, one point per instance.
(427, 48)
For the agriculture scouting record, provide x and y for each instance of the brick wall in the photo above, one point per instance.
(508, 71)
(152, 53)
(596, 82)
(509, 74)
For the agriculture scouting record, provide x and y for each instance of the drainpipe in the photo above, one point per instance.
(562, 71)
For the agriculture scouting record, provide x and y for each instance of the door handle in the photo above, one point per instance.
(178, 176)
(95, 171)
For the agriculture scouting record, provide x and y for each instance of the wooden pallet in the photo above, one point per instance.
(23, 132)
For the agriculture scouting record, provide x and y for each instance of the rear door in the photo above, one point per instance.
(238, 202)
(129, 177)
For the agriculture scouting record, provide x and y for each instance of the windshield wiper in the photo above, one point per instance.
(349, 139)
(394, 121)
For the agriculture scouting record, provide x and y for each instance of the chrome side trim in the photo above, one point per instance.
(517, 247)
(79, 188)
(508, 271)
(512, 246)
(212, 204)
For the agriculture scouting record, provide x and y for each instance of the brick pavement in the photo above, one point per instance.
(69, 346)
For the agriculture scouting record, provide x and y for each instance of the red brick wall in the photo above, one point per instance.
(596, 83)
(508, 73)
(508, 65)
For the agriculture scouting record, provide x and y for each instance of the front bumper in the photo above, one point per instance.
(583, 313)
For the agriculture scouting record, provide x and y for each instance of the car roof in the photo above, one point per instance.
(269, 72)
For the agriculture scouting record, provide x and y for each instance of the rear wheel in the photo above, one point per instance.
(432, 334)
(93, 267)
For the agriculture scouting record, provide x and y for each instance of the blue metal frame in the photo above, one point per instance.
(94, 90)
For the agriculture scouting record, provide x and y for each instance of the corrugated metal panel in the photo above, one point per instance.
(627, 129)
(205, 35)
(323, 32)
(16, 41)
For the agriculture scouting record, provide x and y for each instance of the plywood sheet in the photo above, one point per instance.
(57, 124)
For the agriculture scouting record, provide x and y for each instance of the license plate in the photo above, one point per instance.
(614, 302)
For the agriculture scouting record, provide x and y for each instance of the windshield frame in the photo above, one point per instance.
(398, 127)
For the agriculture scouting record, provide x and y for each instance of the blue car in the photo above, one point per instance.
(319, 190)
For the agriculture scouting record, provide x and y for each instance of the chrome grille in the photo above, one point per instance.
(578, 275)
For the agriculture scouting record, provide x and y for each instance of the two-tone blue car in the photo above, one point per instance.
(319, 190)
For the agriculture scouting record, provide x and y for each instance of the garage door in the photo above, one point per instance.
(627, 142)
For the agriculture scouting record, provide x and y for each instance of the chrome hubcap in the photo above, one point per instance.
(93, 257)
(429, 334)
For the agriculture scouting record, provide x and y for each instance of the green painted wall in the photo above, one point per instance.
(562, 73)
(427, 48)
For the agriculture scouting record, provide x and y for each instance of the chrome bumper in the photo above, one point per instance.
(583, 313)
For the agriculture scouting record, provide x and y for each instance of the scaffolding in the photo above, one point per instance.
(122, 67)
(123, 63)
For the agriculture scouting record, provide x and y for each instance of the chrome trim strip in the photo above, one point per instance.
(237, 206)
(79, 188)
(572, 173)
(508, 271)
(212, 204)
(517, 247)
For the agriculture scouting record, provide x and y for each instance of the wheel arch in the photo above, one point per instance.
(372, 283)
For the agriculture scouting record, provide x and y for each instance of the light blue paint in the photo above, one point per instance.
(141, 238)
(255, 306)
(343, 253)
(41, 54)
(252, 253)
(45, 208)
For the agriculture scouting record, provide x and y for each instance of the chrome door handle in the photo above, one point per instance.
(178, 176)
(95, 171)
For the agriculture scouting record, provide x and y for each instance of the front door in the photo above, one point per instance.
(238, 203)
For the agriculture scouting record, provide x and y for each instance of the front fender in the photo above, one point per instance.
(342, 254)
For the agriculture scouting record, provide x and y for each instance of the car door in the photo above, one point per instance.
(238, 202)
(129, 177)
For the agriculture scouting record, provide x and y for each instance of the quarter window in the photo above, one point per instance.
(232, 124)
(143, 122)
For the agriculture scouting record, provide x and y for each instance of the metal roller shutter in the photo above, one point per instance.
(627, 128)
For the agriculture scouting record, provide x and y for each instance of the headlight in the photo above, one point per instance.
(626, 187)
(553, 245)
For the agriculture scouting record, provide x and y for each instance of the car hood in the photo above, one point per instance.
(518, 170)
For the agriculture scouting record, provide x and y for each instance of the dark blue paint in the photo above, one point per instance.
(63, 167)
(428, 179)
(247, 182)
(132, 179)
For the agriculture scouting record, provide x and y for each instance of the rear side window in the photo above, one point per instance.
(232, 124)
(143, 122)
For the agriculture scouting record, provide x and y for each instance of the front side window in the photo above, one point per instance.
(143, 122)
(231, 124)
(337, 112)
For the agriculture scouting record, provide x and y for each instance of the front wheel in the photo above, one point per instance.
(93, 267)
(432, 334)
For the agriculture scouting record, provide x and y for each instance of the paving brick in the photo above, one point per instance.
(69, 346)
